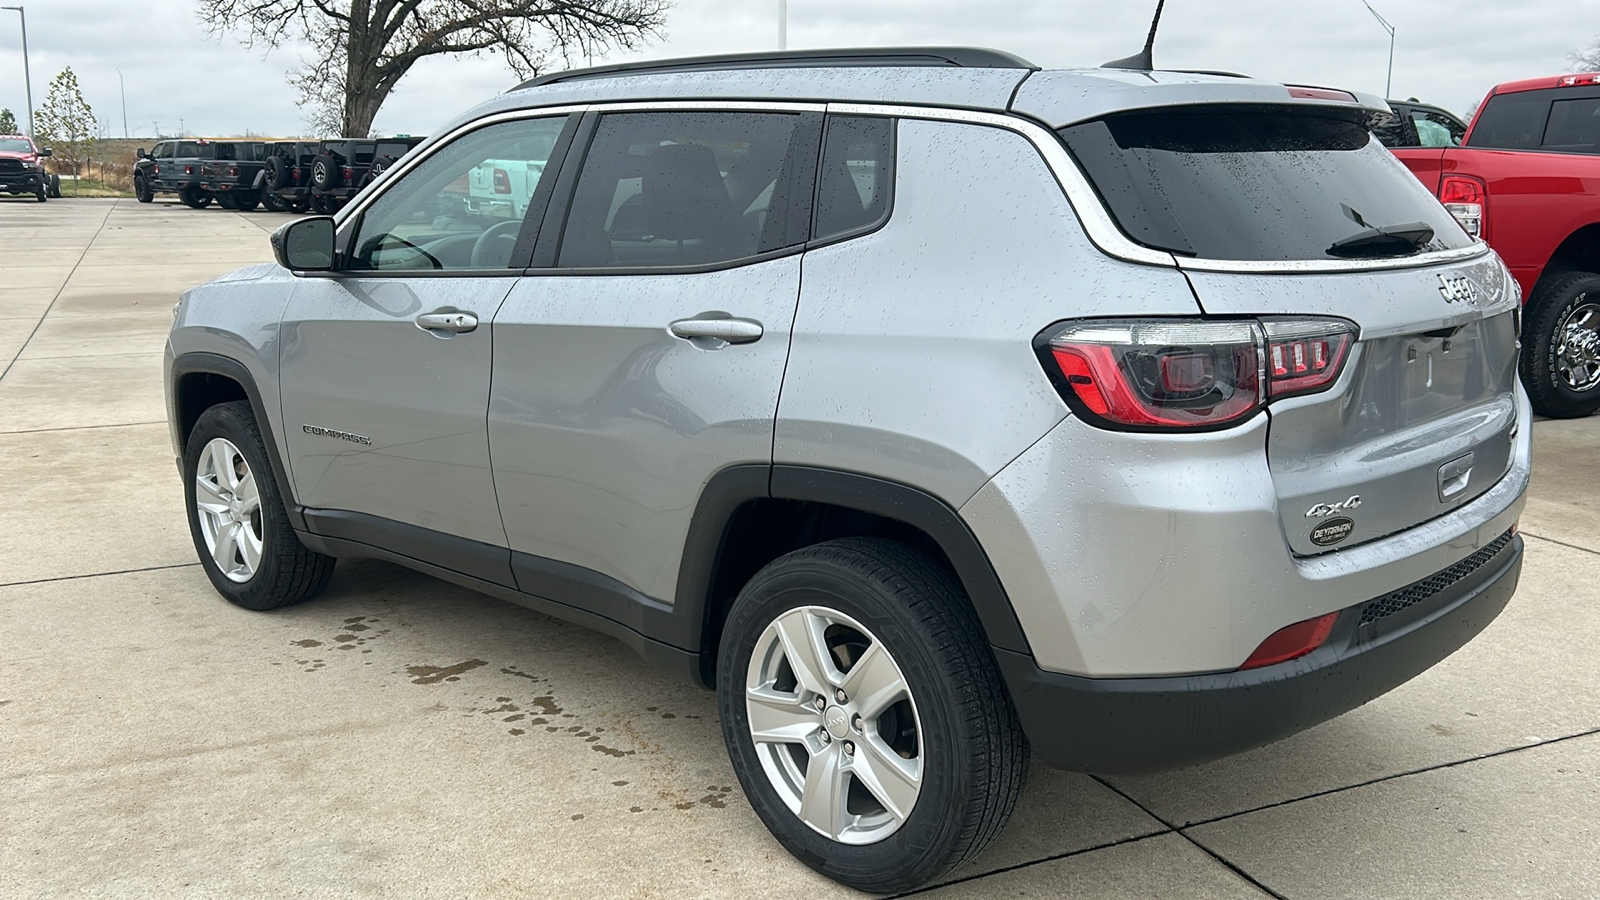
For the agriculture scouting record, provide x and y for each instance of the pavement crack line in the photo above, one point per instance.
(46, 314)
(1559, 543)
(1034, 862)
(83, 427)
(99, 574)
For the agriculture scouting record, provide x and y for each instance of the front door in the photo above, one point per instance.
(386, 363)
(649, 354)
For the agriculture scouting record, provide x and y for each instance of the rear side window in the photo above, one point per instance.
(1512, 121)
(188, 149)
(857, 175)
(1253, 184)
(691, 188)
(1574, 126)
(1391, 131)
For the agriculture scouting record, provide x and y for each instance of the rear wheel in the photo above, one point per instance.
(273, 203)
(226, 200)
(324, 204)
(864, 714)
(237, 519)
(141, 189)
(194, 198)
(1561, 346)
(245, 201)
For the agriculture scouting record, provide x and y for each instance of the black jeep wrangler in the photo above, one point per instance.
(347, 165)
(286, 175)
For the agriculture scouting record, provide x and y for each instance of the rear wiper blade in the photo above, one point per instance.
(1389, 240)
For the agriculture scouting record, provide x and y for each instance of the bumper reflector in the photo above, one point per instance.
(1292, 642)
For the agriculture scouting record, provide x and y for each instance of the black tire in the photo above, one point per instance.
(288, 572)
(1561, 346)
(42, 194)
(378, 167)
(325, 172)
(325, 205)
(973, 753)
(227, 200)
(141, 189)
(53, 191)
(299, 206)
(245, 201)
(277, 172)
(273, 203)
(194, 198)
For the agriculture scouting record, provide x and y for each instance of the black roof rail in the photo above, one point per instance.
(964, 57)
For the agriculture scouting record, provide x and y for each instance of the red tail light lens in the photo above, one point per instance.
(1467, 199)
(502, 182)
(1293, 642)
(233, 171)
(349, 173)
(1177, 375)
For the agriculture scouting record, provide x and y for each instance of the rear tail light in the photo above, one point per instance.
(233, 171)
(188, 170)
(1466, 198)
(1179, 375)
(502, 182)
(349, 173)
(1292, 642)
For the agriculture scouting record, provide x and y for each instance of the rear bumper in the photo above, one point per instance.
(1128, 725)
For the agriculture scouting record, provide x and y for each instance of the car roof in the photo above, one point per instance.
(1538, 84)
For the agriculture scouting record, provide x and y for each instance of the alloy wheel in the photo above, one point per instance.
(228, 507)
(834, 725)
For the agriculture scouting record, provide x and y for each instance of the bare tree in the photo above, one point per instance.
(360, 49)
(1586, 60)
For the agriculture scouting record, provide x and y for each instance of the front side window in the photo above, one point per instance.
(463, 206)
(1258, 184)
(691, 188)
(857, 175)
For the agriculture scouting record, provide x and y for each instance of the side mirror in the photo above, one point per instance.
(47, 152)
(305, 245)
(140, 154)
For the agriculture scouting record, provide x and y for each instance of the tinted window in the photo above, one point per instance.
(857, 174)
(1435, 129)
(463, 206)
(1392, 132)
(1574, 125)
(163, 150)
(188, 149)
(691, 188)
(1254, 185)
(1511, 121)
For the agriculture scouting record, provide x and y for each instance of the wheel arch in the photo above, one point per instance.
(749, 515)
(200, 381)
(1579, 252)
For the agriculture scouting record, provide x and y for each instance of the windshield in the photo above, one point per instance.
(1258, 184)
(15, 145)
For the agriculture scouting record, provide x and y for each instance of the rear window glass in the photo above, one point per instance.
(1574, 125)
(188, 149)
(1258, 185)
(1511, 121)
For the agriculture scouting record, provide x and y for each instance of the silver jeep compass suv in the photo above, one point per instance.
(926, 405)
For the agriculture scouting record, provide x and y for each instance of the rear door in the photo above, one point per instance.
(386, 364)
(645, 352)
(1301, 213)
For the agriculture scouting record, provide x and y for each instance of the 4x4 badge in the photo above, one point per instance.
(1328, 509)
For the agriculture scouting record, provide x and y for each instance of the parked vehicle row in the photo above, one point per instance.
(1182, 421)
(22, 168)
(283, 176)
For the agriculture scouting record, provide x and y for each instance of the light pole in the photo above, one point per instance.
(27, 79)
(1388, 86)
(124, 90)
(783, 24)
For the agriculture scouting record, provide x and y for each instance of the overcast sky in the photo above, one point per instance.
(1448, 52)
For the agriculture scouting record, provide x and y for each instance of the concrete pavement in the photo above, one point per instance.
(401, 737)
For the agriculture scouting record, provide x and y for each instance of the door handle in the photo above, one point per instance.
(718, 326)
(450, 322)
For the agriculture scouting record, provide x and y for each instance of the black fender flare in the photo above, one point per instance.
(731, 488)
(199, 363)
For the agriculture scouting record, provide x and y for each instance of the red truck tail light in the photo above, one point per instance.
(188, 170)
(1185, 375)
(502, 182)
(233, 171)
(1467, 199)
(349, 173)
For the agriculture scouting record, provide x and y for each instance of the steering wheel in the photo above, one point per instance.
(503, 231)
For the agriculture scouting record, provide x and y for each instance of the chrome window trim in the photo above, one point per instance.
(1105, 234)
(1091, 212)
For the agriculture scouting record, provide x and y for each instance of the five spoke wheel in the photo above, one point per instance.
(834, 725)
(228, 505)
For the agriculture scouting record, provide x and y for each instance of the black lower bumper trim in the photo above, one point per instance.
(1132, 725)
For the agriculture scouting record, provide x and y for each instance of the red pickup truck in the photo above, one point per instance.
(1526, 178)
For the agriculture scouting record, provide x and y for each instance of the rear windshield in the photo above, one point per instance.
(1249, 184)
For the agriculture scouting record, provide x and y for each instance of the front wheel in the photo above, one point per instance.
(141, 189)
(1561, 346)
(865, 716)
(237, 519)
